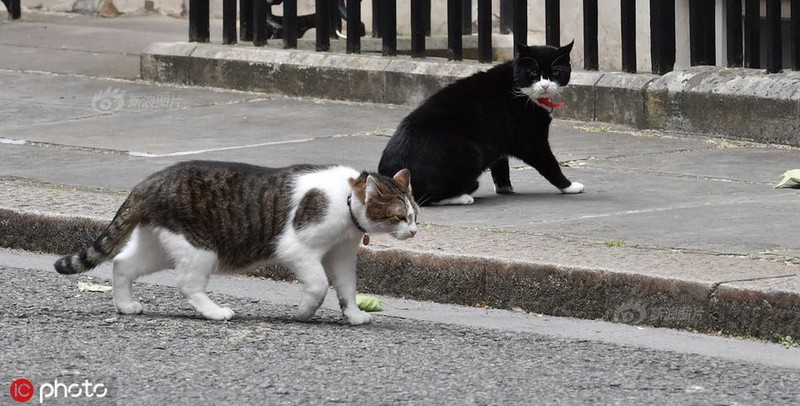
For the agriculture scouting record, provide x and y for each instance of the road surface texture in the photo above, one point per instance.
(168, 355)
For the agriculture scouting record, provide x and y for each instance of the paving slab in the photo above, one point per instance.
(69, 62)
(162, 131)
(576, 140)
(75, 44)
(755, 164)
(79, 92)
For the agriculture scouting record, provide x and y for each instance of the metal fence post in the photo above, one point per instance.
(417, 28)
(260, 22)
(733, 29)
(795, 30)
(389, 27)
(628, 20)
(322, 10)
(454, 44)
(484, 31)
(752, 48)
(552, 18)
(701, 33)
(198, 21)
(228, 22)
(590, 47)
(290, 24)
(377, 12)
(662, 35)
(774, 55)
(353, 26)
(519, 26)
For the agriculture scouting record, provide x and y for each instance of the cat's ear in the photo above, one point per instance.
(372, 189)
(521, 48)
(403, 178)
(566, 49)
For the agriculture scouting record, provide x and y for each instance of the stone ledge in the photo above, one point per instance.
(738, 103)
(766, 308)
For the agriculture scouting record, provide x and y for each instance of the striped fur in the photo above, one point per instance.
(203, 216)
(108, 244)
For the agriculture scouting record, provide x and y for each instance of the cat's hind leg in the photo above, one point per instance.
(445, 175)
(194, 267)
(340, 266)
(142, 255)
(501, 176)
(463, 199)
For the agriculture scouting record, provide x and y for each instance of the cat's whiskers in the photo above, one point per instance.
(423, 199)
(520, 93)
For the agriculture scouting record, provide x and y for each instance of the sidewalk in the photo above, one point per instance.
(673, 230)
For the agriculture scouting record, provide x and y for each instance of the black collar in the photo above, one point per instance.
(353, 216)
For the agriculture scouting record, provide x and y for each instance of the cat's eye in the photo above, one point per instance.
(555, 73)
(397, 219)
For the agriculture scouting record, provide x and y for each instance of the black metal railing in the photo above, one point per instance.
(743, 28)
(14, 9)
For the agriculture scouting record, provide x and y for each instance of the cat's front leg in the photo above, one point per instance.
(501, 176)
(340, 265)
(311, 274)
(545, 162)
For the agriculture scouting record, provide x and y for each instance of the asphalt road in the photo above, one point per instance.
(51, 331)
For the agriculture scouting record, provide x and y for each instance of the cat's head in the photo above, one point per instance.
(385, 205)
(541, 71)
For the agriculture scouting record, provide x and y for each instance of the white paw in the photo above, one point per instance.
(219, 314)
(504, 190)
(129, 308)
(575, 187)
(303, 315)
(458, 200)
(358, 317)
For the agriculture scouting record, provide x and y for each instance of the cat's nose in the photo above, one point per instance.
(545, 87)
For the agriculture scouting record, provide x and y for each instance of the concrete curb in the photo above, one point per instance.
(696, 100)
(736, 308)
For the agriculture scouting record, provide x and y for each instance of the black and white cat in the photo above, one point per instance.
(477, 123)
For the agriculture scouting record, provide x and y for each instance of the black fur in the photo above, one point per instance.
(475, 124)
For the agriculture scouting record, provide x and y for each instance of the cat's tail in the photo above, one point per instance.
(108, 244)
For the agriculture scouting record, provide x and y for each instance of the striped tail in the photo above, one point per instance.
(107, 245)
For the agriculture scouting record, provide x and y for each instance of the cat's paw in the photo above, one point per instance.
(504, 190)
(132, 307)
(575, 187)
(358, 317)
(219, 314)
(303, 315)
(458, 200)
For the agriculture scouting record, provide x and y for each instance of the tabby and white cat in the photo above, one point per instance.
(478, 122)
(202, 216)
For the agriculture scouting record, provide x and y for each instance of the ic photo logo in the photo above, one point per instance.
(109, 100)
(22, 390)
